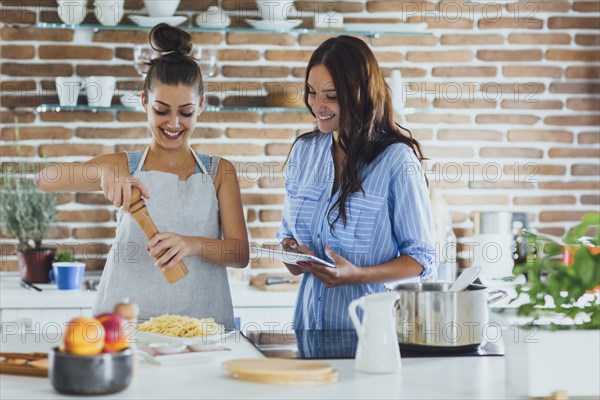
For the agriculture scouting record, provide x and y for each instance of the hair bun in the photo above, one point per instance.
(165, 38)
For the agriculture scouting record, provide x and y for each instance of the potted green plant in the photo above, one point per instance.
(27, 213)
(557, 347)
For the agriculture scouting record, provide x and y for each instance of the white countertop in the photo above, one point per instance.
(419, 378)
(13, 296)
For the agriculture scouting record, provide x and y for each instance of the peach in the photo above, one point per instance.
(115, 336)
(84, 336)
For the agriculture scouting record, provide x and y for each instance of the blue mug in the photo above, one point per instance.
(67, 275)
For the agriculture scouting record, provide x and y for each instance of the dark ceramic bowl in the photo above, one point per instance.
(90, 375)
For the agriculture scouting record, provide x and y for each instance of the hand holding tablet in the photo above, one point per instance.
(289, 257)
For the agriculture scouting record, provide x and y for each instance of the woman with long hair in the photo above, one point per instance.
(356, 192)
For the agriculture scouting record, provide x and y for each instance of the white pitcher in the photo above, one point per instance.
(378, 351)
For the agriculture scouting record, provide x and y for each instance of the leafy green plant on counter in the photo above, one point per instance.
(26, 212)
(574, 287)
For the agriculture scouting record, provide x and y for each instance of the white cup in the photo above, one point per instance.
(109, 12)
(207, 60)
(100, 90)
(68, 88)
(72, 11)
(213, 17)
(161, 8)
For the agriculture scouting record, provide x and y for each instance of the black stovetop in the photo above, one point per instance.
(335, 344)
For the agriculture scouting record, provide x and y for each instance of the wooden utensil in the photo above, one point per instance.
(31, 364)
(465, 279)
(139, 211)
(275, 282)
(282, 371)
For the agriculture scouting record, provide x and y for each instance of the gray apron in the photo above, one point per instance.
(186, 207)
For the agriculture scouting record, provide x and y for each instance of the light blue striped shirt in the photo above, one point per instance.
(392, 218)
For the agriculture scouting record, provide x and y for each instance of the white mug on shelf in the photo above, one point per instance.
(109, 12)
(100, 90)
(68, 88)
(71, 11)
(214, 17)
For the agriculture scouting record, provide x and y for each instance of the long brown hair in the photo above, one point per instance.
(367, 126)
(175, 64)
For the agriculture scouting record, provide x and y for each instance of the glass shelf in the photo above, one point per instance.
(373, 32)
(59, 108)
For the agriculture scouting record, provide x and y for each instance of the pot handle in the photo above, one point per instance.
(354, 316)
(500, 295)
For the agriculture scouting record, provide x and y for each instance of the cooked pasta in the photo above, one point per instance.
(181, 326)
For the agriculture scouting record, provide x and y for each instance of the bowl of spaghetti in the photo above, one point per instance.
(179, 328)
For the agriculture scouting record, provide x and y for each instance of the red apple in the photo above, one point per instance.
(115, 338)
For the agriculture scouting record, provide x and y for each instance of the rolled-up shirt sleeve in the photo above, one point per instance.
(412, 222)
(284, 230)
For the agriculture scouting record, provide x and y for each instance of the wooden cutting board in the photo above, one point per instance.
(282, 371)
(31, 364)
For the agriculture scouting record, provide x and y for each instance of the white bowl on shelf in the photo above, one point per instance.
(273, 25)
(377, 27)
(161, 8)
(280, 10)
(152, 21)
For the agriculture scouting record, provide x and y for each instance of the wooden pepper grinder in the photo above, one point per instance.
(139, 211)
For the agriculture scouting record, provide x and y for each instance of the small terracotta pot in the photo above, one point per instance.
(35, 265)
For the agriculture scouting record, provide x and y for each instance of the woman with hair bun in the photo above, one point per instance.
(194, 199)
(356, 192)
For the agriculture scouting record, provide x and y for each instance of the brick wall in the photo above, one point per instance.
(510, 92)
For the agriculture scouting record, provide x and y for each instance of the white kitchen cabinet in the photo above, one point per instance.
(36, 319)
(52, 309)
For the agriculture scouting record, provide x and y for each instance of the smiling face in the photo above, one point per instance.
(323, 99)
(172, 112)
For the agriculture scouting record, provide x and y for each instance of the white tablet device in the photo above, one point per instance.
(288, 257)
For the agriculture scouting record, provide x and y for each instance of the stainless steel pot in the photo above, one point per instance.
(427, 314)
(90, 375)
